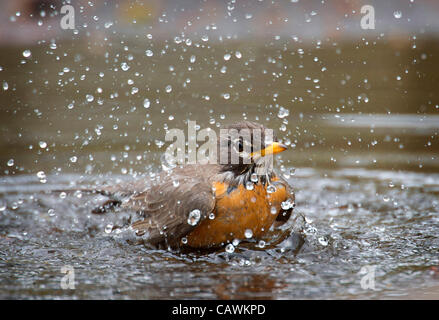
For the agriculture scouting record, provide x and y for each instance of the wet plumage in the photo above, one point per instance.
(176, 206)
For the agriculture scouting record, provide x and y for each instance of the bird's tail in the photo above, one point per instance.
(104, 207)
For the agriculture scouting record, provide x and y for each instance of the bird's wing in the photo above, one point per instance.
(118, 193)
(173, 207)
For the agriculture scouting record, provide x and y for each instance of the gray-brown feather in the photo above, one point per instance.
(166, 203)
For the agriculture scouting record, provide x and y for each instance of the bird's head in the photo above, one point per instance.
(247, 148)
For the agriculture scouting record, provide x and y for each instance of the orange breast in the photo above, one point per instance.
(237, 211)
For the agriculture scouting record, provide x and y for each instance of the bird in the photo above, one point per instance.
(209, 205)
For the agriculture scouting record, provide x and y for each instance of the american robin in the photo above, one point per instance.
(210, 205)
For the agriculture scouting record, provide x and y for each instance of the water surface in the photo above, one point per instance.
(363, 159)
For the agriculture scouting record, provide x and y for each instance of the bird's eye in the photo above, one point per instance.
(241, 145)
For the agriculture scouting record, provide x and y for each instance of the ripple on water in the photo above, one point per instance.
(354, 218)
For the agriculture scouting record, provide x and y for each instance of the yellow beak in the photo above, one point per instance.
(273, 148)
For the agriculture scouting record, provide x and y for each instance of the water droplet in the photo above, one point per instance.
(42, 144)
(283, 112)
(230, 248)
(397, 14)
(292, 171)
(159, 143)
(323, 241)
(89, 97)
(248, 233)
(10, 162)
(5, 85)
(176, 183)
(235, 242)
(254, 177)
(62, 195)
(168, 88)
(41, 174)
(227, 56)
(286, 205)
(27, 53)
(249, 185)
(193, 58)
(108, 228)
(212, 216)
(149, 53)
(124, 66)
(273, 210)
(226, 96)
(261, 244)
(238, 55)
(184, 240)
(194, 217)
(73, 159)
(271, 189)
(146, 103)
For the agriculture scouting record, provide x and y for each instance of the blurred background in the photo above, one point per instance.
(358, 107)
(129, 70)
